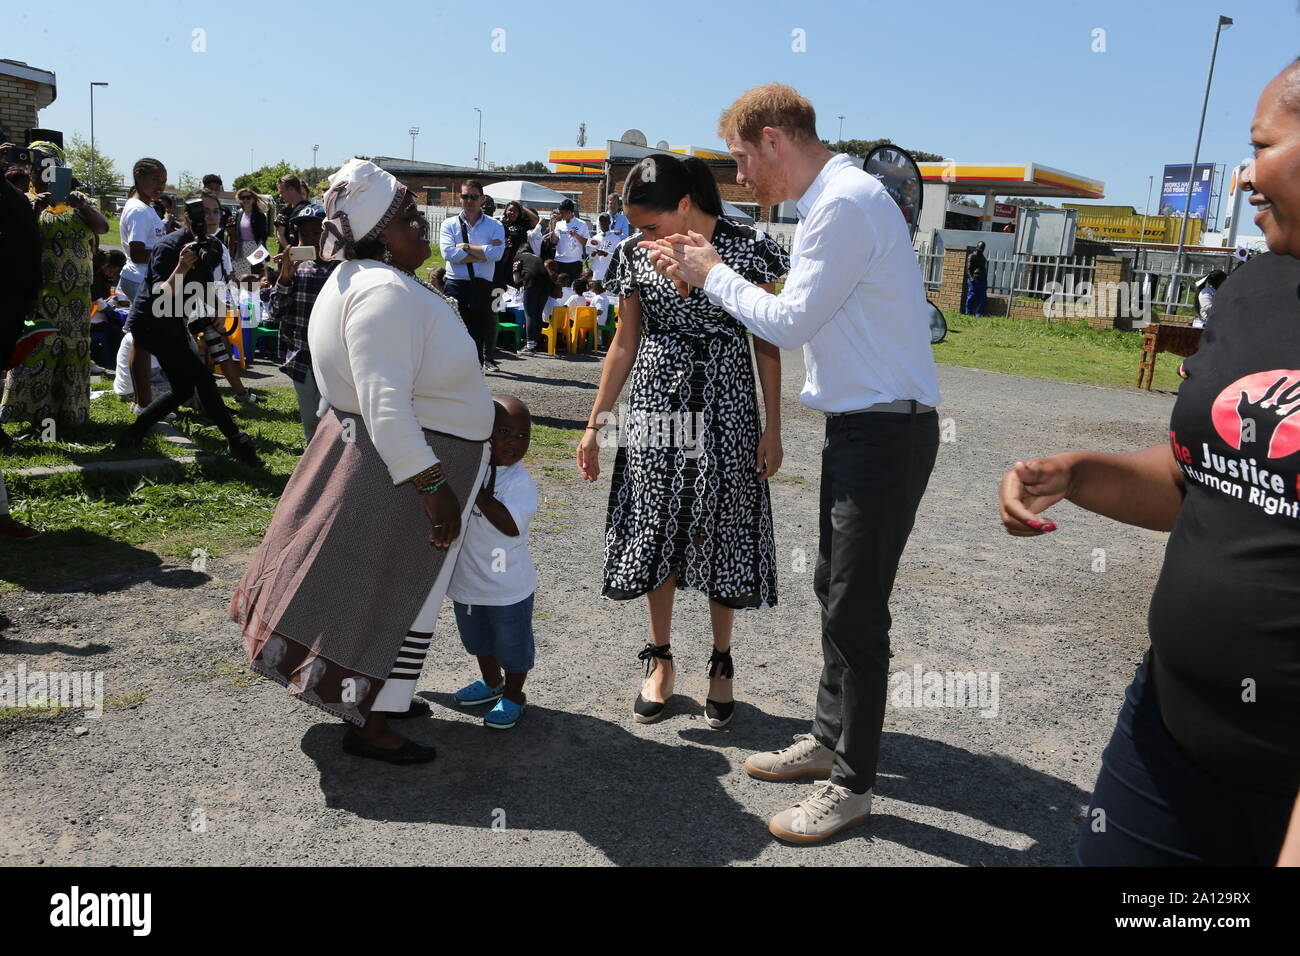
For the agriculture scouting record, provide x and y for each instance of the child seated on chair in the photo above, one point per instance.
(493, 584)
(598, 300)
(578, 298)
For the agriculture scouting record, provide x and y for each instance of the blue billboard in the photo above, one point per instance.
(1173, 193)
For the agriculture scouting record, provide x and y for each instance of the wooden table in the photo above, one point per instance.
(1165, 337)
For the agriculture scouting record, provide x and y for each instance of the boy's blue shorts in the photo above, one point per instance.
(503, 632)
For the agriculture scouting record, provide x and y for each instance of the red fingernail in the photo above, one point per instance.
(1049, 527)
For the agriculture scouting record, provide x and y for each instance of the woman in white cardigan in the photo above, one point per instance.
(340, 601)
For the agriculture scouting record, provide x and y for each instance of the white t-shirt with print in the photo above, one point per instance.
(494, 568)
(567, 248)
(140, 223)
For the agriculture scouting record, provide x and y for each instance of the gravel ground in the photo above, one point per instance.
(199, 762)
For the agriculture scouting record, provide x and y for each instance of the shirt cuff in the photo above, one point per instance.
(719, 279)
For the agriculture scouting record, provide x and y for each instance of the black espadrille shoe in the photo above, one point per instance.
(648, 711)
(719, 713)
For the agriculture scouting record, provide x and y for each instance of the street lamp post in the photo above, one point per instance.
(313, 155)
(92, 132)
(414, 131)
(1223, 24)
(841, 119)
(478, 152)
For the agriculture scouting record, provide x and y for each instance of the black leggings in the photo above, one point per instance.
(187, 374)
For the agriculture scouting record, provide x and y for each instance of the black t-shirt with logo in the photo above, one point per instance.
(1225, 616)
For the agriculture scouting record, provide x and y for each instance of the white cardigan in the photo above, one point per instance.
(385, 347)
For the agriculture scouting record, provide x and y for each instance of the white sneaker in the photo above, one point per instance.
(825, 812)
(805, 758)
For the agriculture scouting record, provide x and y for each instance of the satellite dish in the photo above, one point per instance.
(634, 136)
(897, 172)
(662, 144)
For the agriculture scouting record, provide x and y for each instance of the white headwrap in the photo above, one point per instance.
(361, 201)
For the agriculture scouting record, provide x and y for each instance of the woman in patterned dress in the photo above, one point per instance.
(53, 382)
(689, 504)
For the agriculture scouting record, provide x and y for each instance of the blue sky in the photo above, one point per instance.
(989, 81)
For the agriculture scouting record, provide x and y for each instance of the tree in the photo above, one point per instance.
(187, 182)
(532, 166)
(1030, 203)
(861, 147)
(265, 180)
(96, 172)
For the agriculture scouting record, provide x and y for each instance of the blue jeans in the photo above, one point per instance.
(504, 632)
(976, 294)
(1153, 807)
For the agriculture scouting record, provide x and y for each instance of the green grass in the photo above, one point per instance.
(1057, 351)
(86, 443)
(97, 524)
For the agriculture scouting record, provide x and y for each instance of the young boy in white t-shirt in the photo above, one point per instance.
(494, 581)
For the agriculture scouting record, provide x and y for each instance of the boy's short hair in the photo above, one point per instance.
(772, 104)
(597, 286)
(579, 285)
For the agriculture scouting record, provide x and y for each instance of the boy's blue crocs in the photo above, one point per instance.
(478, 693)
(504, 715)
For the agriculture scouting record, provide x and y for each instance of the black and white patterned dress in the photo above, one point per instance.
(684, 496)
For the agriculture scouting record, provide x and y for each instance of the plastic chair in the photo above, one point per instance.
(265, 332)
(609, 326)
(557, 326)
(583, 323)
(510, 329)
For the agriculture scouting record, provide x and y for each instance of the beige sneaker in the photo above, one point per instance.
(828, 810)
(805, 758)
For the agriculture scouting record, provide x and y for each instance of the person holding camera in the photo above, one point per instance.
(293, 196)
(53, 381)
(303, 271)
(472, 244)
(182, 272)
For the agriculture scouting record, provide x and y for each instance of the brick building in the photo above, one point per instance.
(436, 184)
(24, 90)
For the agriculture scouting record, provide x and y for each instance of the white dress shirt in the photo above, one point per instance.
(480, 234)
(535, 237)
(854, 297)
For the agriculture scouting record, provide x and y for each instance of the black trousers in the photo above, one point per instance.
(474, 299)
(187, 375)
(534, 306)
(875, 468)
(571, 269)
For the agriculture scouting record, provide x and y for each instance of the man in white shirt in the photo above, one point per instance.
(618, 224)
(570, 234)
(855, 301)
(472, 244)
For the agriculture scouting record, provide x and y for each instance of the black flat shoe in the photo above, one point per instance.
(719, 713)
(409, 752)
(418, 708)
(648, 711)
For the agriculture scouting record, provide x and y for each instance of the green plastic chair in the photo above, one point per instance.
(512, 330)
(610, 325)
(264, 332)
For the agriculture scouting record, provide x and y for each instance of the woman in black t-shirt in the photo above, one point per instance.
(1204, 763)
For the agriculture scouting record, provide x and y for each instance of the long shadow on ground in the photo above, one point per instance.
(642, 802)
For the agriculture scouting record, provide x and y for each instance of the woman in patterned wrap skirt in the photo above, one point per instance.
(689, 504)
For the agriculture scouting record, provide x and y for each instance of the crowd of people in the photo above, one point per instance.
(409, 454)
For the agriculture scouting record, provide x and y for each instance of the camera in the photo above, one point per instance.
(208, 248)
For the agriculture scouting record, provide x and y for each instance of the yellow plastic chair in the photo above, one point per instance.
(552, 330)
(235, 338)
(583, 324)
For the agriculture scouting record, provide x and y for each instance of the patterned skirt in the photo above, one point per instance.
(684, 496)
(346, 567)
